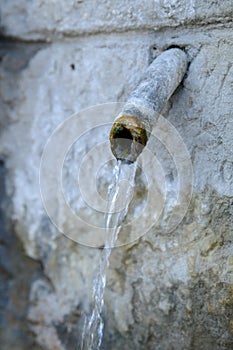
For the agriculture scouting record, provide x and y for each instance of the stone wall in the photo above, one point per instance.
(164, 291)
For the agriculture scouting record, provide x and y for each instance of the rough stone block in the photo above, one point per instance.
(164, 291)
(46, 20)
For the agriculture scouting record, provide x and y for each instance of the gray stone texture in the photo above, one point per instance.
(164, 291)
(46, 19)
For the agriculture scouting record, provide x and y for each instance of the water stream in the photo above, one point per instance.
(119, 196)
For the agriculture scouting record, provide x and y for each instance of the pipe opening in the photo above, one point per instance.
(127, 138)
(122, 132)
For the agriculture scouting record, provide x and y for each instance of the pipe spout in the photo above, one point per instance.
(131, 129)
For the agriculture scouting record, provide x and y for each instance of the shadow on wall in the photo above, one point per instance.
(17, 271)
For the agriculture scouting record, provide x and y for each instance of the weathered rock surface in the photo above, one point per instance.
(165, 291)
(45, 19)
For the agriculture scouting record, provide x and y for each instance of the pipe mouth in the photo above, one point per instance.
(128, 137)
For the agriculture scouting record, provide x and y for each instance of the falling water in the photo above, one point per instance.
(117, 196)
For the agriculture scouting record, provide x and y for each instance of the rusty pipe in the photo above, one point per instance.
(131, 129)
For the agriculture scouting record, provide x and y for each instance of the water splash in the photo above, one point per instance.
(118, 197)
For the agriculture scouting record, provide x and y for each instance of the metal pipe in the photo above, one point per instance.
(131, 129)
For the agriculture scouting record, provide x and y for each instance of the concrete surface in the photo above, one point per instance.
(165, 291)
